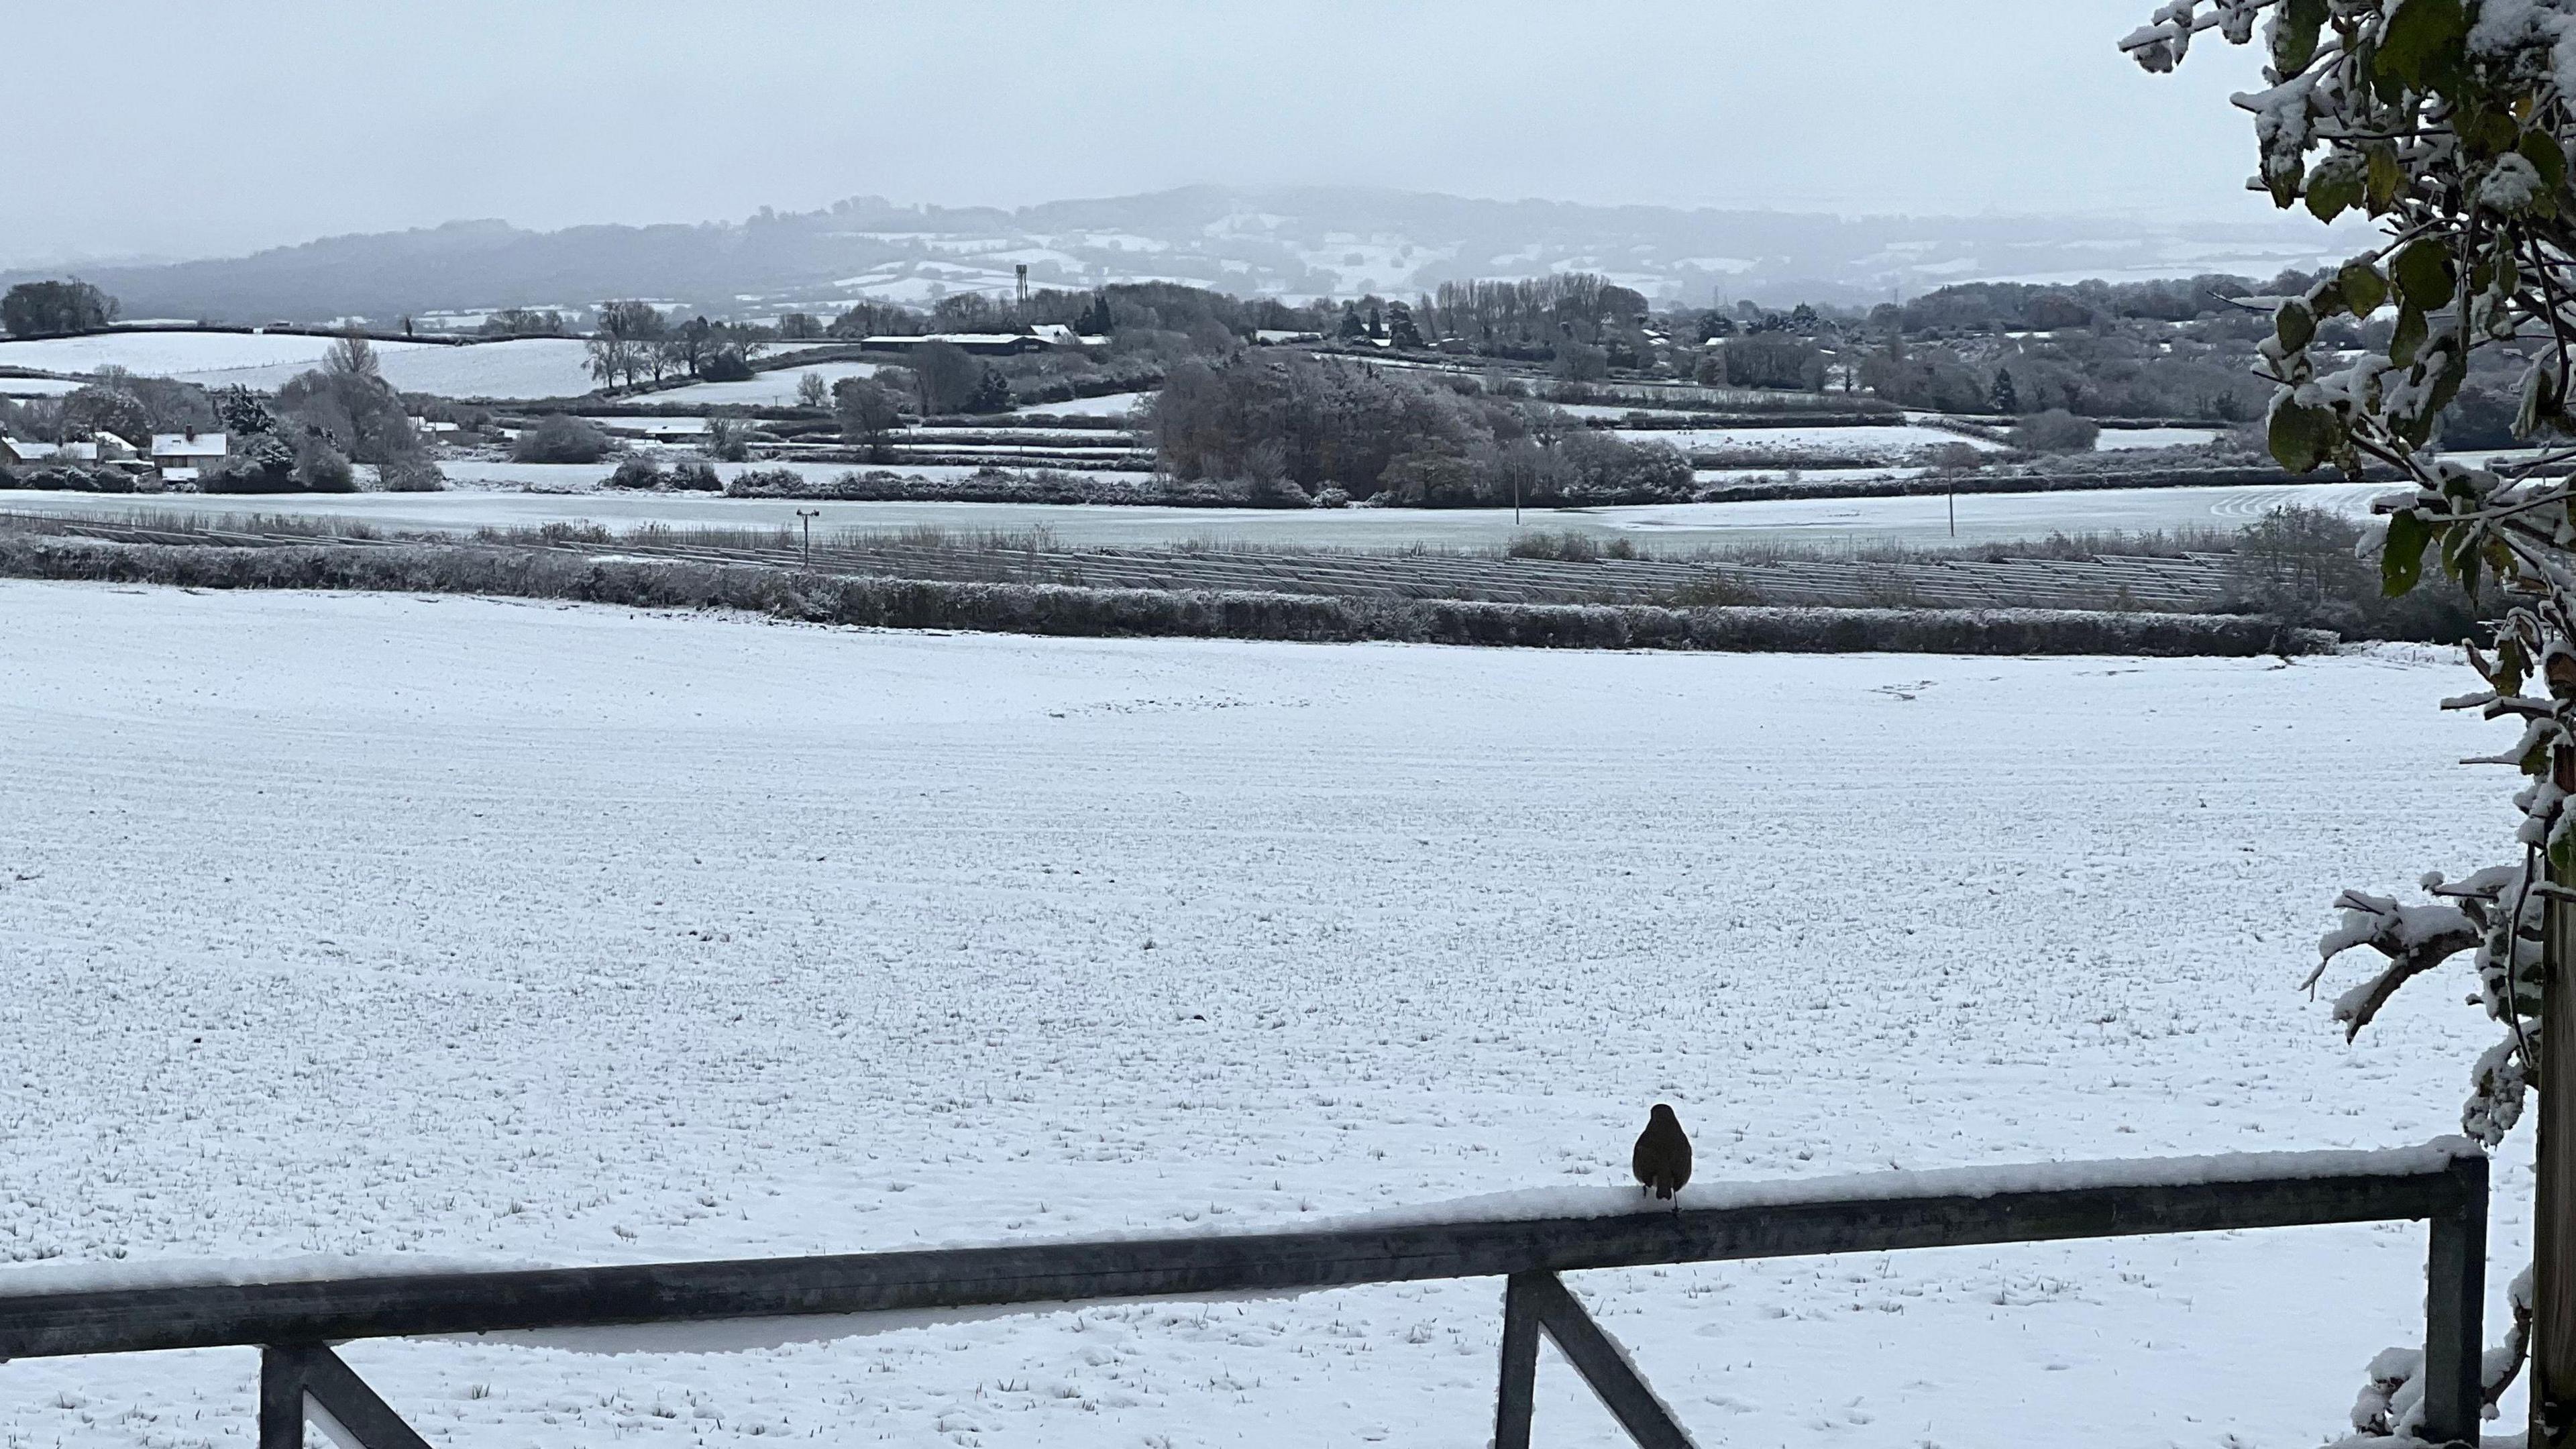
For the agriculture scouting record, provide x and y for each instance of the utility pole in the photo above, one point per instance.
(809, 515)
(1024, 283)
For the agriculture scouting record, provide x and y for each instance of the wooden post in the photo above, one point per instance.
(2455, 1273)
(281, 1398)
(1512, 1405)
(2552, 1368)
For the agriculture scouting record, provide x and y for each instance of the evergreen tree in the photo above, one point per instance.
(241, 412)
(1376, 323)
(992, 394)
(1352, 327)
(2005, 399)
(1400, 328)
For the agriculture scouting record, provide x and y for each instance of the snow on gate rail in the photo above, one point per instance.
(1525, 1237)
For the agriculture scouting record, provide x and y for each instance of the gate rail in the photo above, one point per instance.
(294, 1322)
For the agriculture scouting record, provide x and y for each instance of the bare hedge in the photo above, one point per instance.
(1205, 614)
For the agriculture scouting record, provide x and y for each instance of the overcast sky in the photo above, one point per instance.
(189, 129)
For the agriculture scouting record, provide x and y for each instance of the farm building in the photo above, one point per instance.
(989, 343)
(21, 450)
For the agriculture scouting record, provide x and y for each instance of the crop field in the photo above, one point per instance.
(502, 932)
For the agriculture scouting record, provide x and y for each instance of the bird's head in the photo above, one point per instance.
(1662, 1113)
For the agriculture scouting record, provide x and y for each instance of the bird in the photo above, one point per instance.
(1662, 1160)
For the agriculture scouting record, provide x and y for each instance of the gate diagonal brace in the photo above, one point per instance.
(1536, 1302)
(297, 1381)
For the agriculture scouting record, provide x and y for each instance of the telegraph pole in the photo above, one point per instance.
(809, 515)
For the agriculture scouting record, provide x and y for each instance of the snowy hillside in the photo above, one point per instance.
(1295, 241)
(507, 931)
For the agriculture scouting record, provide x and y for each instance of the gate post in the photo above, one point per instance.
(1512, 1406)
(2455, 1281)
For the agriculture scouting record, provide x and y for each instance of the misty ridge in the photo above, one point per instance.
(1290, 242)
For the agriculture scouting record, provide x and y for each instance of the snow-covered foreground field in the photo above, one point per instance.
(1824, 522)
(485, 930)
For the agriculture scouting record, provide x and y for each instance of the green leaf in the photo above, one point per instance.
(2294, 324)
(2422, 40)
(2302, 437)
(2460, 557)
(2363, 287)
(2539, 401)
(2335, 185)
(2385, 178)
(2423, 273)
(2401, 558)
(2282, 177)
(2294, 33)
(2446, 383)
(2408, 339)
(2513, 665)
(2541, 149)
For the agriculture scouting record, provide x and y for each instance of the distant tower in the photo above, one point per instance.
(1024, 283)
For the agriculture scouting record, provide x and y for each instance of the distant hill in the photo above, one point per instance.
(1298, 242)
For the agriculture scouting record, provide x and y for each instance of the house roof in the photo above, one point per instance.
(180, 445)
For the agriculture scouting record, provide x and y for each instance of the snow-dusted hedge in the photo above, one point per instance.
(1055, 609)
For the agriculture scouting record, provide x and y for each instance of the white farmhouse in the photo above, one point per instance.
(183, 457)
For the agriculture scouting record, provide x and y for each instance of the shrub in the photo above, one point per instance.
(728, 438)
(267, 465)
(411, 475)
(321, 468)
(637, 471)
(725, 366)
(770, 482)
(2056, 431)
(63, 478)
(561, 438)
(1569, 546)
(696, 476)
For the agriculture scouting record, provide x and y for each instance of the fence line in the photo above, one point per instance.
(2445, 1184)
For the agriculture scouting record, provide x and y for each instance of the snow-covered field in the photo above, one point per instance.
(528, 367)
(2121, 440)
(767, 389)
(36, 386)
(1924, 521)
(1983, 517)
(482, 474)
(1107, 405)
(499, 930)
(1884, 442)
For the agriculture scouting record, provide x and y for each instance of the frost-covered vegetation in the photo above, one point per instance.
(2449, 124)
(1056, 609)
(1324, 428)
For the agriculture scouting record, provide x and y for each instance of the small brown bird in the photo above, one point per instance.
(1662, 1160)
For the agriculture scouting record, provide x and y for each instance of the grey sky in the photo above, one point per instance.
(187, 129)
